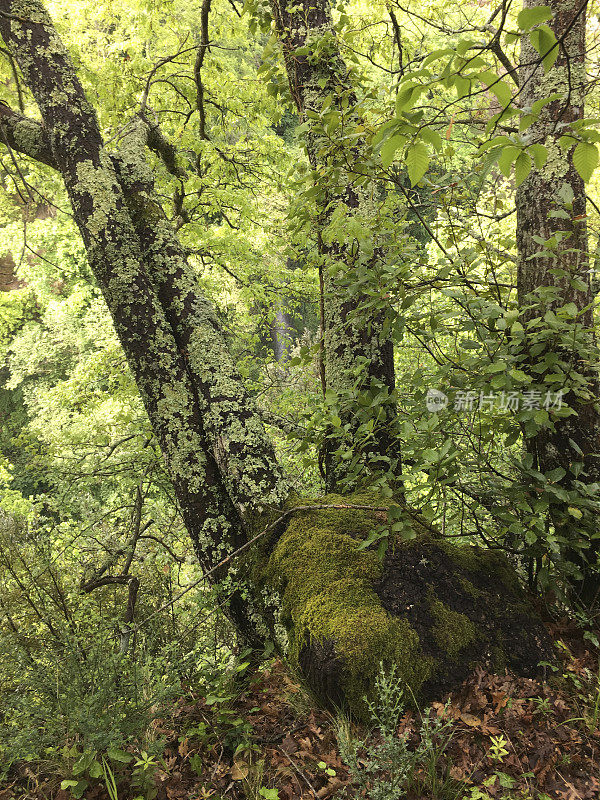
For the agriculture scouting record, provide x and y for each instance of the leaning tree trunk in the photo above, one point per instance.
(551, 202)
(431, 608)
(122, 262)
(353, 332)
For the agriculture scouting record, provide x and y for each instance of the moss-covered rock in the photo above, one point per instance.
(434, 609)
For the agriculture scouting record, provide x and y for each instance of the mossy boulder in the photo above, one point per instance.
(434, 609)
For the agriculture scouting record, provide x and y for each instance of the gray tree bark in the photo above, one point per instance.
(163, 327)
(353, 332)
(551, 201)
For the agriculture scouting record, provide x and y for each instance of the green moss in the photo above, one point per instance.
(439, 610)
(452, 630)
(469, 588)
(327, 587)
(498, 658)
(476, 559)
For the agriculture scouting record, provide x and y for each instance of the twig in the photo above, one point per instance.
(299, 771)
(252, 541)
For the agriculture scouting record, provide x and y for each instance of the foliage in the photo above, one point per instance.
(431, 129)
(390, 768)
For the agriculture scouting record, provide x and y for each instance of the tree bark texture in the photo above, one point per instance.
(551, 202)
(352, 332)
(71, 141)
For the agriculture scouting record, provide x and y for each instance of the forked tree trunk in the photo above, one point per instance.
(550, 202)
(432, 609)
(122, 263)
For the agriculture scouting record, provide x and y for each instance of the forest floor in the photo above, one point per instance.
(510, 738)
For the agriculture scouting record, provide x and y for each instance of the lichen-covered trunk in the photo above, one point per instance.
(72, 143)
(353, 333)
(551, 203)
(238, 439)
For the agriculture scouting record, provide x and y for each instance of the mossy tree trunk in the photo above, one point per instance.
(343, 609)
(551, 202)
(432, 609)
(354, 331)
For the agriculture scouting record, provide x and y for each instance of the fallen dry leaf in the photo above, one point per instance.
(239, 770)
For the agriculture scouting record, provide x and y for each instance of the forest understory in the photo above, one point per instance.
(261, 737)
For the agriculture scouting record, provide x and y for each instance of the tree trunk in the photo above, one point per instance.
(353, 334)
(551, 202)
(432, 609)
(74, 146)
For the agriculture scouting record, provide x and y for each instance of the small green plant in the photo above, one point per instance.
(542, 705)
(479, 793)
(499, 779)
(498, 750)
(85, 770)
(143, 775)
(388, 768)
(583, 685)
(91, 767)
(327, 770)
(269, 794)
(225, 724)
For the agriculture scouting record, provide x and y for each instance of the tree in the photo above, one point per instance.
(554, 275)
(355, 333)
(430, 607)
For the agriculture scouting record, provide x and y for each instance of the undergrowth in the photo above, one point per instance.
(391, 764)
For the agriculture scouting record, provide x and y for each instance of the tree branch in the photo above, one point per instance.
(26, 136)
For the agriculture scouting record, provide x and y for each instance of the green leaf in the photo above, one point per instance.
(389, 148)
(544, 41)
(407, 97)
(497, 86)
(539, 153)
(464, 45)
(522, 168)
(82, 763)
(526, 121)
(575, 512)
(498, 366)
(77, 787)
(556, 474)
(462, 86)
(119, 755)
(435, 55)
(507, 158)
(432, 137)
(269, 794)
(529, 17)
(566, 141)
(585, 159)
(417, 161)
(519, 375)
(506, 781)
(95, 770)
(543, 101)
